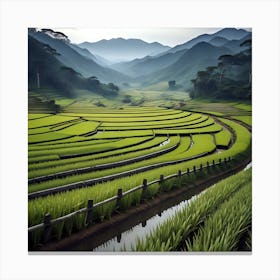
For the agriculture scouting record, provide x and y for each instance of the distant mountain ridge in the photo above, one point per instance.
(119, 49)
(81, 61)
(157, 68)
(45, 71)
(162, 63)
(185, 68)
(226, 33)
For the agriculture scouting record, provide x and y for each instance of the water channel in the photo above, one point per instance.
(129, 237)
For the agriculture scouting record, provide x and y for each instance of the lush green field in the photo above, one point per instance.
(214, 221)
(150, 141)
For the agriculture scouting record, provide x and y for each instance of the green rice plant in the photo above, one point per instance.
(81, 128)
(152, 190)
(50, 120)
(62, 204)
(74, 140)
(122, 134)
(199, 122)
(57, 229)
(245, 119)
(54, 147)
(145, 143)
(202, 144)
(46, 137)
(246, 107)
(209, 129)
(121, 143)
(37, 116)
(166, 186)
(177, 228)
(223, 138)
(136, 117)
(240, 146)
(190, 119)
(173, 155)
(131, 155)
(45, 158)
(34, 131)
(223, 230)
(104, 211)
(131, 199)
(248, 241)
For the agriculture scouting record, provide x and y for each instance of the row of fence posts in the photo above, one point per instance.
(89, 212)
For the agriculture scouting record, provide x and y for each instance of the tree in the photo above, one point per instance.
(172, 84)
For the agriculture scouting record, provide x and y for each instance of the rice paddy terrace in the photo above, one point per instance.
(74, 157)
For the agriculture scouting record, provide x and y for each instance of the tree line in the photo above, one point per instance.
(231, 78)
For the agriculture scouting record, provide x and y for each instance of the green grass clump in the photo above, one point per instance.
(171, 235)
(223, 230)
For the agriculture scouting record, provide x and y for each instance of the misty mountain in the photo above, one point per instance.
(234, 45)
(226, 34)
(148, 64)
(85, 52)
(45, 71)
(117, 50)
(232, 33)
(80, 60)
(218, 41)
(184, 70)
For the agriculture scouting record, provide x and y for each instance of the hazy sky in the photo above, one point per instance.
(165, 36)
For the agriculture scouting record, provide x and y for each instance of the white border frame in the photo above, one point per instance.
(17, 16)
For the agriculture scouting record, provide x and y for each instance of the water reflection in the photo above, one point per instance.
(129, 237)
(249, 165)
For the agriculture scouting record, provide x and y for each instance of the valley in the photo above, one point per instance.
(119, 128)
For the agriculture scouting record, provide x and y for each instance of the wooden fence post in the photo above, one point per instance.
(207, 164)
(220, 161)
(47, 228)
(194, 168)
(179, 173)
(201, 167)
(144, 189)
(161, 179)
(89, 212)
(229, 159)
(213, 162)
(119, 198)
(188, 171)
(225, 160)
(119, 237)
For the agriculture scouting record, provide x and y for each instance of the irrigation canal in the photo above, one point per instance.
(139, 228)
(128, 238)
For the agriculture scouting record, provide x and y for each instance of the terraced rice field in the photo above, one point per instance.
(94, 155)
